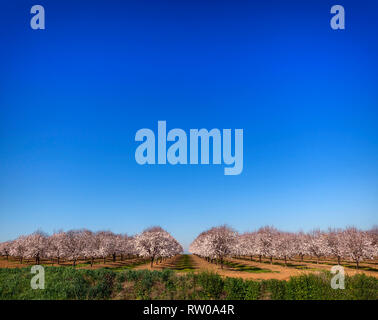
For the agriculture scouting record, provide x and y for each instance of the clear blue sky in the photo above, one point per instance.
(73, 96)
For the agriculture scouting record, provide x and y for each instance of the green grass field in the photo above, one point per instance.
(70, 283)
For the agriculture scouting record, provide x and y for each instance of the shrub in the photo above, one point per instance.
(104, 284)
(252, 291)
(71, 283)
(306, 287)
(235, 289)
(362, 287)
(212, 285)
(274, 289)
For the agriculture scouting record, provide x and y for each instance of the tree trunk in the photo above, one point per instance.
(338, 260)
(357, 264)
(74, 262)
(91, 262)
(260, 258)
(317, 260)
(271, 259)
(285, 262)
(302, 257)
(251, 258)
(7, 256)
(221, 262)
(121, 257)
(58, 260)
(152, 261)
(114, 257)
(104, 260)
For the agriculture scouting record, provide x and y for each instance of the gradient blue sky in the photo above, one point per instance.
(73, 96)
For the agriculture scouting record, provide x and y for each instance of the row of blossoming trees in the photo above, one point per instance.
(73, 245)
(351, 243)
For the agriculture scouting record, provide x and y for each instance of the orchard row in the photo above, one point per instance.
(72, 245)
(215, 243)
(351, 243)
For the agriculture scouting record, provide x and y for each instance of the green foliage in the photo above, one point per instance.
(274, 289)
(64, 283)
(212, 285)
(61, 283)
(103, 284)
(362, 287)
(238, 289)
(306, 287)
(253, 290)
(318, 287)
(235, 288)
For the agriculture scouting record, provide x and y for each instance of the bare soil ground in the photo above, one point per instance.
(369, 264)
(312, 267)
(277, 272)
(118, 264)
(349, 267)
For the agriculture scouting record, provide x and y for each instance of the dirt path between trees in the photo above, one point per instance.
(313, 267)
(165, 264)
(277, 272)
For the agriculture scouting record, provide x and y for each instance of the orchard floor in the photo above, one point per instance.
(263, 270)
(287, 272)
(259, 271)
(233, 267)
(80, 264)
(313, 266)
